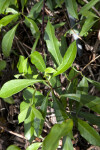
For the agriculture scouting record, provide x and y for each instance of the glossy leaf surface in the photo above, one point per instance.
(68, 59)
(7, 19)
(14, 86)
(38, 61)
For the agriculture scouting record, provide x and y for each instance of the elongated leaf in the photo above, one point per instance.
(59, 110)
(3, 5)
(52, 44)
(92, 102)
(68, 59)
(13, 147)
(89, 22)
(91, 118)
(71, 6)
(34, 146)
(88, 6)
(68, 144)
(33, 26)
(88, 133)
(29, 126)
(7, 19)
(8, 39)
(36, 10)
(95, 83)
(14, 86)
(9, 100)
(37, 113)
(38, 61)
(57, 131)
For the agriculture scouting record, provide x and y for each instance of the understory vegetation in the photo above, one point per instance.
(49, 74)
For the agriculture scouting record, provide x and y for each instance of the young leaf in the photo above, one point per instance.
(34, 146)
(36, 10)
(14, 86)
(13, 147)
(57, 131)
(38, 61)
(68, 59)
(53, 44)
(7, 19)
(68, 144)
(71, 6)
(88, 133)
(89, 22)
(88, 6)
(8, 39)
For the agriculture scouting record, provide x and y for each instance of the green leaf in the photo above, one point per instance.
(68, 144)
(38, 61)
(92, 102)
(95, 83)
(82, 87)
(8, 39)
(2, 65)
(33, 27)
(11, 10)
(88, 133)
(23, 66)
(13, 147)
(57, 131)
(3, 5)
(23, 3)
(37, 113)
(53, 44)
(34, 146)
(14, 86)
(34, 12)
(7, 19)
(92, 118)
(89, 22)
(68, 59)
(23, 111)
(71, 6)
(49, 70)
(29, 126)
(60, 112)
(9, 100)
(88, 6)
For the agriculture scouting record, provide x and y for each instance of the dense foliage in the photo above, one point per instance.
(41, 81)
